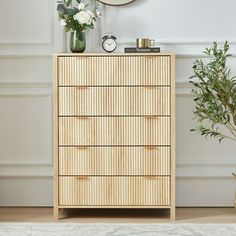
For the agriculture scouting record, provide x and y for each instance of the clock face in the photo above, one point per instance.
(109, 45)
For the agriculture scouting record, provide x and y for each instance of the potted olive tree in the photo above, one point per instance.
(214, 89)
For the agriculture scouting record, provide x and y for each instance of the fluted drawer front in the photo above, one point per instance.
(114, 191)
(114, 70)
(114, 161)
(148, 130)
(114, 101)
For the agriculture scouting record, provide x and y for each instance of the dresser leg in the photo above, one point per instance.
(56, 213)
(172, 213)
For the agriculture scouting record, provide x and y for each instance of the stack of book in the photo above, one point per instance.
(142, 50)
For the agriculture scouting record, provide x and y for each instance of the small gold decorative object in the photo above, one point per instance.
(144, 42)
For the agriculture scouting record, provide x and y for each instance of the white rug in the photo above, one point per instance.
(93, 229)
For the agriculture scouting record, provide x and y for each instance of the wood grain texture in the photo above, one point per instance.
(114, 121)
(107, 101)
(148, 130)
(116, 54)
(114, 191)
(55, 139)
(173, 140)
(114, 70)
(114, 161)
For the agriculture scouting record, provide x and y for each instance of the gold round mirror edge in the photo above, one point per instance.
(116, 4)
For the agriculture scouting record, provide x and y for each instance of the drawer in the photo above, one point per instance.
(114, 191)
(114, 70)
(89, 131)
(95, 101)
(114, 161)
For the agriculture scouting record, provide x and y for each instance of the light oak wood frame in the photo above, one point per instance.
(56, 139)
(173, 140)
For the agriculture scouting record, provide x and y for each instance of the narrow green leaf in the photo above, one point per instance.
(68, 3)
(214, 94)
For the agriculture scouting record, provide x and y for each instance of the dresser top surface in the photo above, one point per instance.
(110, 54)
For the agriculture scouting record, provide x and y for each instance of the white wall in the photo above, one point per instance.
(185, 26)
(29, 35)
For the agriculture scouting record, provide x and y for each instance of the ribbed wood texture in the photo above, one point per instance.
(114, 70)
(114, 101)
(114, 131)
(149, 130)
(114, 161)
(114, 191)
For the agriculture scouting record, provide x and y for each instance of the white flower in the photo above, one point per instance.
(81, 6)
(62, 23)
(83, 17)
(91, 13)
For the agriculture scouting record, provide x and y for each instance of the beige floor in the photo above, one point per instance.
(184, 215)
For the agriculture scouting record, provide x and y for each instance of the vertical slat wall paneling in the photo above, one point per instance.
(115, 128)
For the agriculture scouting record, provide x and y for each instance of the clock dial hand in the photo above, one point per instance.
(109, 44)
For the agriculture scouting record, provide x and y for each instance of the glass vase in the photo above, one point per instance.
(77, 41)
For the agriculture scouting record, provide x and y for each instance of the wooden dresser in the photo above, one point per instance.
(114, 131)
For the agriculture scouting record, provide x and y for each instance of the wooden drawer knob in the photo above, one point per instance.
(150, 177)
(82, 177)
(82, 147)
(151, 147)
(151, 117)
(82, 117)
